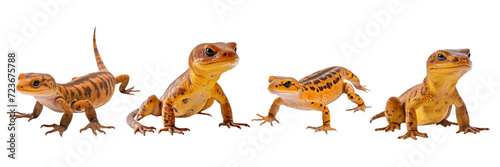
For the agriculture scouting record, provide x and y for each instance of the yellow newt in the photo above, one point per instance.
(193, 91)
(430, 102)
(314, 92)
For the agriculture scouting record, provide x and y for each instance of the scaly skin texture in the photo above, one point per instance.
(81, 94)
(314, 92)
(430, 102)
(192, 92)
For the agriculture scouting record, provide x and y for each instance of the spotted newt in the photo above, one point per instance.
(314, 92)
(430, 102)
(81, 94)
(193, 91)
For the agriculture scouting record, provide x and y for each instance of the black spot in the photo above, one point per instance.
(182, 91)
(326, 113)
(185, 100)
(275, 86)
(316, 82)
(320, 105)
(312, 102)
(312, 88)
(410, 123)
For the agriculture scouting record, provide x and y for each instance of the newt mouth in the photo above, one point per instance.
(453, 67)
(219, 62)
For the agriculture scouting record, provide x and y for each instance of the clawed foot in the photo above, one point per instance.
(127, 91)
(471, 129)
(413, 134)
(231, 123)
(172, 129)
(25, 115)
(391, 127)
(95, 126)
(446, 123)
(143, 129)
(57, 128)
(266, 119)
(361, 107)
(202, 113)
(325, 128)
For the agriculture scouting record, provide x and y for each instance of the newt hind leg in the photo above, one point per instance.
(152, 106)
(395, 115)
(123, 79)
(355, 98)
(91, 116)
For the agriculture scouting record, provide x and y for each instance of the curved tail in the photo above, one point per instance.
(349, 76)
(98, 59)
(379, 115)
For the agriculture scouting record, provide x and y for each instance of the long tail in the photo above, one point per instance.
(348, 75)
(98, 59)
(379, 115)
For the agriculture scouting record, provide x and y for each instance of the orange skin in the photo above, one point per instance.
(430, 102)
(192, 92)
(314, 92)
(81, 94)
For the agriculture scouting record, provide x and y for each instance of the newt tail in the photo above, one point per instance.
(100, 63)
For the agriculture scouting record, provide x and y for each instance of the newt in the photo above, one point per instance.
(81, 94)
(192, 92)
(431, 102)
(314, 92)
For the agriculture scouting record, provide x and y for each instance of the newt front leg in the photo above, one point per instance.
(65, 119)
(168, 117)
(411, 125)
(463, 119)
(326, 117)
(227, 113)
(36, 112)
(271, 116)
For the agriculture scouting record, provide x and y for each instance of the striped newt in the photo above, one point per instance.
(193, 91)
(314, 92)
(430, 102)
(81, 94)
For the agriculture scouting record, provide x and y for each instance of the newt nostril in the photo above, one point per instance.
(456, 60)
(225, 54)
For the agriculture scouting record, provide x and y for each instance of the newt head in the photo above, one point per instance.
(449, 62)
(213, 59)
(283, 86)
(36, 84)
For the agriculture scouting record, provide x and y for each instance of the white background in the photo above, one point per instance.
(150, 41)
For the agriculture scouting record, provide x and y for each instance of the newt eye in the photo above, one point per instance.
(235, 48)
(441, 57)
(287, 84)
(468, 56)
(36, 83)
(209, 52)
